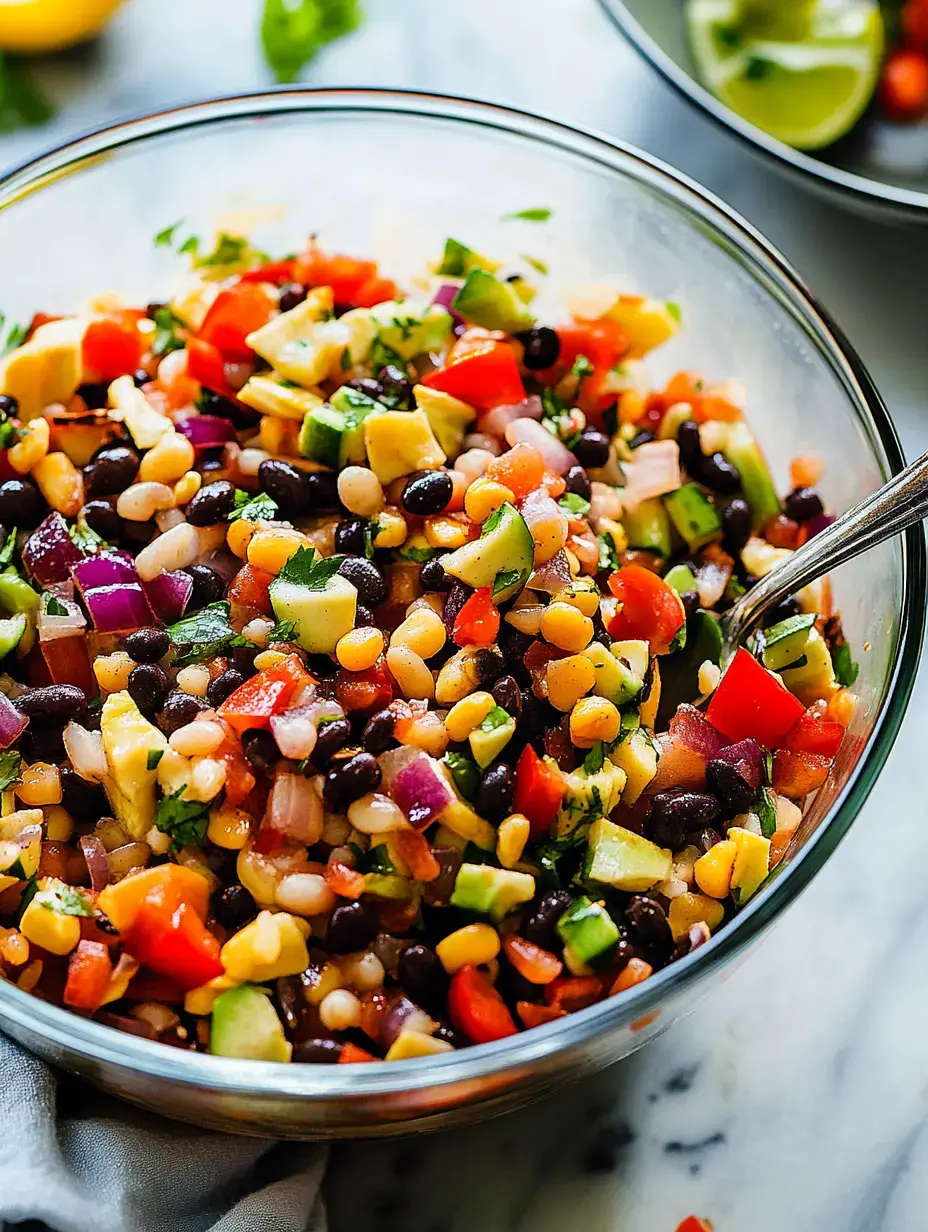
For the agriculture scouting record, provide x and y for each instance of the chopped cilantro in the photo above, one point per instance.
(574, 504)
(205, 634)
(503, 580)
(537, 265)
(608, 555)
(260, 508)
(11, 764)
(492, 522)
(53, 606)
(557, 869)
(229, 250)
(582, 367)
(383, 356)
(302, 569)
(294, 31)
(765, 810)
(675, 311)
(377, 860)
(846, 670)
(15, 335)
(85, 537)
(191, 244)
(535, 214)
(595, 759)
(64, 899)
(22, 103)
(464, 772)
(498, 717)
(283, 631)
(166, 338)
(165, 238)
(154, 756)
(184, 821)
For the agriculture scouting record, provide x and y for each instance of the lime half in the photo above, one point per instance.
(803, 71)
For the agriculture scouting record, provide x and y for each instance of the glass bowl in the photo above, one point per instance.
(390, 174)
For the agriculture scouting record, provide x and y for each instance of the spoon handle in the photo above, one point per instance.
(892, 508)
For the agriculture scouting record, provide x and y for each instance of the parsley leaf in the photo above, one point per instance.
(64, 899)
(53, 606)
(22, 103)
(165, 238)
(203, 635)
(595, 759)
(166, 338)
(184, 821)
(608, 556)
(535, 214)
(418, 555)
(492, 522)
(11, 764)
(574, 504)
(503, 580)
(302, 569)
(260, 508)
(765, 810)
(154, 756)
(846, 670)
(293, 31)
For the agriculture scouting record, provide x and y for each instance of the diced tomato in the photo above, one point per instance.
(344, 881)
(364, 692)
(206, 365)
(485, 377)
(89, 970)
(812, 734)
(574, 992)
(520, 469)
(904, 84)
(169, 937)
(692, 1224)
(111, 348)
(534, 964)
(264, 695)
(240, 786)
(751, 704)
(351, 1054)
(477, 623)
(477, 1009)
(540, 788)
(233, 315)
(250, 589)
(354, 283)
(373, 291)
(273, 271)
(796, 774)
(635, 971)
(649, 610)
(414, 848)
(533, 1015)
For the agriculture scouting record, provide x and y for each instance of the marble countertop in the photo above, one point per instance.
(796, 1096)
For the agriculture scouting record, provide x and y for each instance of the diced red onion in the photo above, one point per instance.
(553, 576)
(404, 1014)
(237, 374)
(653, 471)
(498, 420)
(206, 431)
(294, 809)
(556, 455)
(169, 594)
(97, 863)
(49, 552)
(394, 761)
(104, 569)
(482, 440)
(118, 609)
(295, 734)
(696, 732)
(443, 297)
(747, 756)
(124, 860)
(422, 791)
(546, 521)
(821, 522)
(85, 752)
(12, 722)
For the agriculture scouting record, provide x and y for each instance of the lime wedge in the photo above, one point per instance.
(803, 71)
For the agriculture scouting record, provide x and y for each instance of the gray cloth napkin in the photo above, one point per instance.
(73, 1160)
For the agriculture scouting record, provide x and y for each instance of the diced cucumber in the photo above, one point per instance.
(648, 527)
(588, 929)
(411, 327)
(388, 885)
(814, 674)
(489, 891)
(321, 436)
(743, 452)
(693, 514)
(320, 617)
(16, 595)
(589, 796)
(485, 300)
(11, 632)
(245, 1024)
(785, 642)
(623, 859)
(636, 653)
(501, 558)
(458, 260)
(681, 579)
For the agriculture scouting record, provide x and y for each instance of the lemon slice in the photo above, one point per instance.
(803, 71)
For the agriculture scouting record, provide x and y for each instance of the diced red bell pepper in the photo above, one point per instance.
(354, 283)
(344, 881)
(250, 588)
(692, 1224)
(240, 781)
(111, 348)
(485, 377)
(540, 788)
(351, 1054)
(272, 271)
(373, 291)
(169, 937)
(414, 849)
(533, 1015)
(364, 692)
(89, 971)
(796, 774)
(649, 610)
(574, 992)
(751, 704)
(264, 695)
(811, 734)
(477, 623)
(233, 315)
(477, 1009)
(206, 365)
(534, 964)
(603, 342)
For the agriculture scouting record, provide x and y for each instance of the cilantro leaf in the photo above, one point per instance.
(465, 774)
(64, 899)
(595, 759)
(582, 367)
(260, 508)
(535, 214)
(154, 756)
(371, 531)
(228, 250)
(608, 556)
(765, 810)
(503, 580)
(191, 244)
(417, 555)
(283, 631)
(675, 311)
(184, 821)
(11, 764)
(492, 522)
(22, 103)
(166, 338)
(293, 31)
(302, 569)
(203, 635)
(574, 504)
(85, 537)
(165, 238)
(15, 336)
(846, 670)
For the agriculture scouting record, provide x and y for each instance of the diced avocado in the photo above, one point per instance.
(468, 825)
(46, 369)
(751, 863)
(490, 737)
(485, 300)
(743, 452)
(589, 930)
(816, 676)
(647, 322)
(267, 394)
(703, 644)
(693, 515)
(589, 797)
(411, 327)
(450, 417)
(614, 679)
(648, 527)
(458, 260)
(16, 595)
(281, 332)
(11, 633)
(400, 442)
(650, 702)
(362, 332)
(489, 891)
(636, 653)
(244, 1024)
(681, 579)
(320, 617)
(786, 641)
(623, 859)
(637, 756)
(321, 436)
(502, 557)
(130, 742)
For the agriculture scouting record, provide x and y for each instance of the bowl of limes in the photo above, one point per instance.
(834, 91)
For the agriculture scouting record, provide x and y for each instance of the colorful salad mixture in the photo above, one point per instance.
(360, 693)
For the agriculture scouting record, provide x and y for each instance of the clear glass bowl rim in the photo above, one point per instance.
(307, 1082)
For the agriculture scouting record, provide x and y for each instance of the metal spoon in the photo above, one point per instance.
(893, 508)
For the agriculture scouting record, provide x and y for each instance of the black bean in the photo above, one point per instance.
(101, 517)
(690, 601)
(541, 925)
(8, 405)
(736, 524)
(350, 536)
(489, 664)
(541, 347)
(395, 386)
(803, 504)
(148, 687)
(323, 492)
(578, 482)
(782, 611)
(147, 645)
(212, 504)
(208, 587)
(641, 437)
(290, 296)
(649, 930)
(21, 504)
(288, 486)
(239, 415)
(53, 705)
(349, 778)
(367, 385)
(353, 926)
(322, 666)
(592, 449)
(691, 455)
(233, 906)
(493, 798)
(140, 377)
(260, 747)
(224, 686)
(332, 739)
(511, 641)
(719, 474)
(674, 812)
(137, 534)
(94, 394)
(365, 577)
(378, 732)
(506, 693)
(47, 746)
(243, 660)
(86, 802)
(725, 781)
(364, 618)
(317, 1052)
(457, 597)
(703, 839)
(179, 709)
(427, 493)
(450, 1036)
(422, 976)
(432, 576)
(111, 470)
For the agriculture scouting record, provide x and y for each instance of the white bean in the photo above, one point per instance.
(175, 549)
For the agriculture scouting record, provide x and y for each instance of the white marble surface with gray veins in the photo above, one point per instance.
(796, 1096)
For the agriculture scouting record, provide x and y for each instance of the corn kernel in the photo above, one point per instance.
(271, 549)
(186, 488)
(411, 673)
(594, 719)
(565, 627)
(60, 482)
(31, 447)
(474, 944)
(269, 658)
(581, 594)
(39, 784)
(113, 670)
(568, 680)
(422, 632)
(511, 838)
(392, 529)
(359, 649)
(170, 457)
(689, 909)
(59, 824)
(713, 870)
(228, 828)
(52, 931)
(256, 873)
(14, 948)
(239, 536)
(467, 714)
(457, 678)
(446, 532)
(841, 707)
(485, 496)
